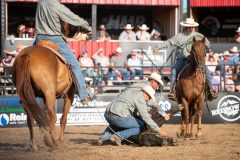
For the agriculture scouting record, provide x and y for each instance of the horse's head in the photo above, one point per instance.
(198, 52)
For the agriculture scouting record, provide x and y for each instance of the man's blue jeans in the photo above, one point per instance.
(70, 58)
(124, 127)
(180, 64)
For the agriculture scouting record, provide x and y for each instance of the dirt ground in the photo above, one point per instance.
(220, 142)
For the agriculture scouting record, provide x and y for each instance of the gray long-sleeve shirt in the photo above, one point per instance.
(139, 86)
(131, 102)
(49, 15)
(180, 40)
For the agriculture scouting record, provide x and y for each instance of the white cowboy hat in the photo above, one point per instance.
(189, 22)
(150, 91)
(128, 26)
(234, 49)
(156, 77)
(10, 52)
(238, 30)
(226, 53)
(144, 27)
(119, 50)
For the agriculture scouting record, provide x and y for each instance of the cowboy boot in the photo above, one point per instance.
(172, 93)
(212, 94)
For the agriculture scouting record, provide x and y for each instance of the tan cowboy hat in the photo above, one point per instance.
(144, 27)
(238, 30)
(119, 50)
(234, 49)
(128, 26)
(150, 91)
(156, 77)
(189, 22)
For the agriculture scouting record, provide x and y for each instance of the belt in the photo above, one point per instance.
(110, 113)
(48, 35)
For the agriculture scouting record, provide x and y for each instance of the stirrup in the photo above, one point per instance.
(212, 95)
(172, 96)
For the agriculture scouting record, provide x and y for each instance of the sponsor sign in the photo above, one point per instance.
(228, 108)
(225, 109)
(12, 119)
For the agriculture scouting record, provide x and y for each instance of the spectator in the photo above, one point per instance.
(103, 60)
(86, 63)
(237, 80)
(21, 31)
(118, 65)
(217, 57)
(216, 79)
(211, 63)
(156, 36)
(234, 56)
(19, 47)
(157, 29)
(102, 34)
(143, 35)
(31, 32)
(128, 34)
(134, 66)
(9, 59)
(229, 85)
(238, 35)
(96, 74)
(224, 64)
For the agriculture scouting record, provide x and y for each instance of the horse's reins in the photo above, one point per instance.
(203, 68)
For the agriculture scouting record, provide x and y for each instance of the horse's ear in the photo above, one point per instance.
(194, 39)
(203, 40)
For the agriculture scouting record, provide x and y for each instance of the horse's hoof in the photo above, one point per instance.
(32, 148)
(198, 137)
(187, 138)
(48, 141)
(192, 138)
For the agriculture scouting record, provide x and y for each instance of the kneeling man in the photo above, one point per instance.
(128, 113)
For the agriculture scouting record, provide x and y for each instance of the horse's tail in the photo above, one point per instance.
(22, 81)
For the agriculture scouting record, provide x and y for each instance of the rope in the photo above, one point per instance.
(94, 103)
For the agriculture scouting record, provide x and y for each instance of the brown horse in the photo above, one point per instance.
(191, 89)
(38, 72)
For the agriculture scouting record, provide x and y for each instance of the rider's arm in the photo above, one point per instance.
(68, 16)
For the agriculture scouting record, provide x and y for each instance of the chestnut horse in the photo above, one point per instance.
(38, 72)
(191, 89)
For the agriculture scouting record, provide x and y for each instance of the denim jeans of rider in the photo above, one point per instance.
(124, 127)
(70, 58)
(180, 64)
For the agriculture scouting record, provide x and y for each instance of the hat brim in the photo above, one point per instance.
(195, 24)
(144, 28)
(128, 28)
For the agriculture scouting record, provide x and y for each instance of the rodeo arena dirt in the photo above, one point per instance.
(219, 142)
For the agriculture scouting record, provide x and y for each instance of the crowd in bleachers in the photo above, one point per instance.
(225, 69)
(101, 70)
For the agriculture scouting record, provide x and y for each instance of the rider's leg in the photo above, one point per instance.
(176, 69)
(72, 61)
(212, 93)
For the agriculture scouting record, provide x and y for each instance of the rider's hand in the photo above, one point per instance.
(167, 117)
(155, 50)
(162, 133)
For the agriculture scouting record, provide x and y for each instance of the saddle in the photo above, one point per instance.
(54, 48)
